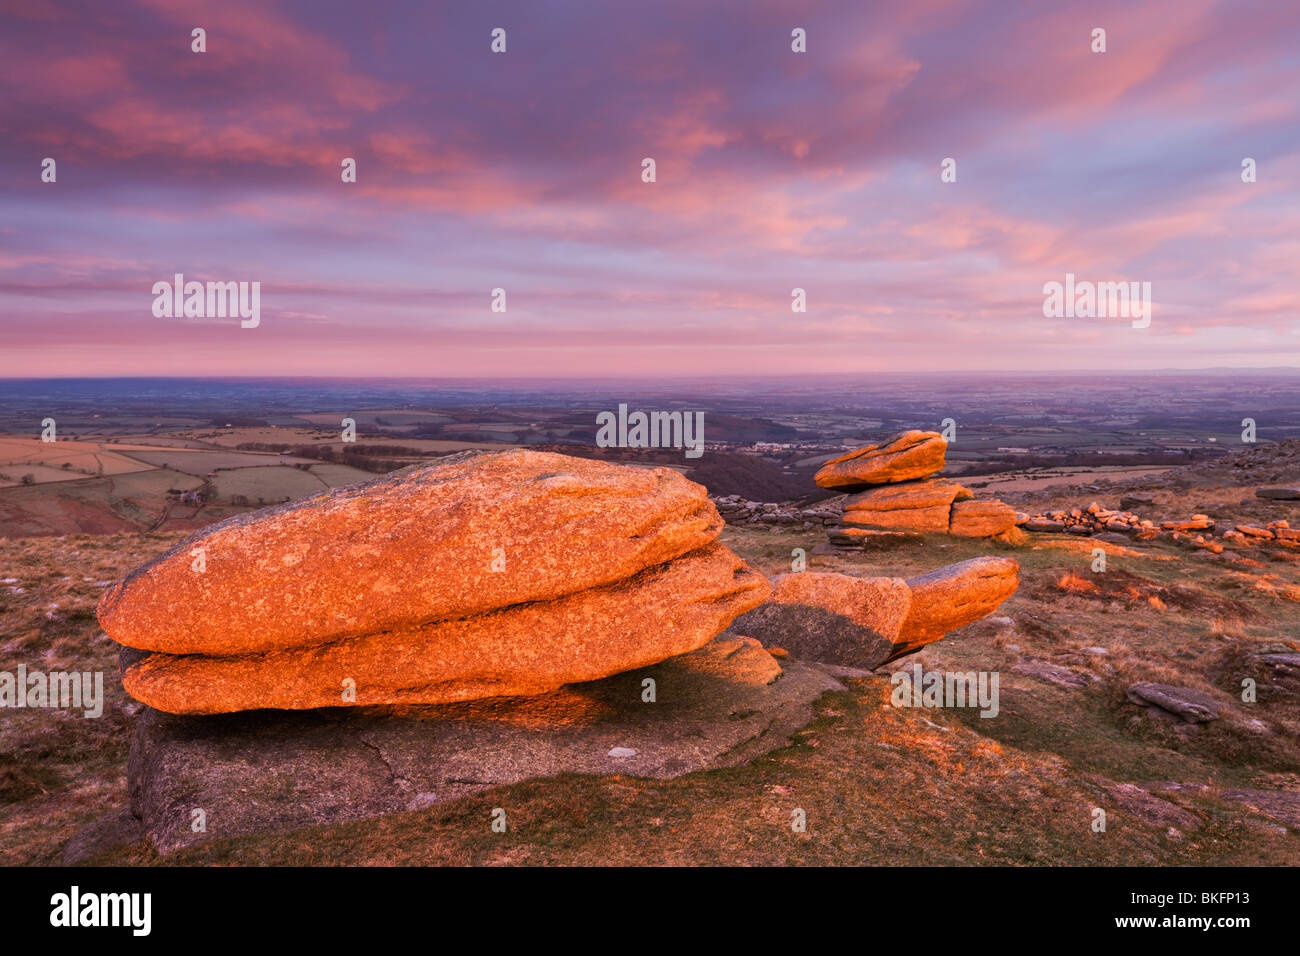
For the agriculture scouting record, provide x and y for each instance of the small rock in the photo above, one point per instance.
(1192, 706)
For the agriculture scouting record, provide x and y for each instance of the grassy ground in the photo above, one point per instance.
(878, 785)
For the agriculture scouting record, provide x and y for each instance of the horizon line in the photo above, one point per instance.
(764, 376)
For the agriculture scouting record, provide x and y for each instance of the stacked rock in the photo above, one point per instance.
(507, 574)
(893, 494)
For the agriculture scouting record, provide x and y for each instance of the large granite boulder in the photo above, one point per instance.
(906, 506)
(504, 575)
(435, 543)
(954, 596)
(906, 456)
(519, 650)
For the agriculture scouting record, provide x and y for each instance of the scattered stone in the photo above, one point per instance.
(1280, 805)
(867, 537)
(1109, 538)
(1195, 523)
(1254, 532)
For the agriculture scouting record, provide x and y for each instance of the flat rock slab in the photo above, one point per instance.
(1291, 493)
(1053, 673)
(1280, 805)
(1134, 801)
(273, 771)
(981, 518)
(1190, 705)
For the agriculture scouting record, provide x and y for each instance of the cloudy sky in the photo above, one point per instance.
(522, 170)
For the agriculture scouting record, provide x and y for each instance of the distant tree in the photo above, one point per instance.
(28, 479)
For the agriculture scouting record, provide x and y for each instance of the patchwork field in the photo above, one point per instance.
(121, 483)
(1046, 477)
(21, 458)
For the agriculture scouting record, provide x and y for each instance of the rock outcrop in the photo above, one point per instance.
(867, 622)
(418, 546)
(910, 506)
(453, 627)
(894, 490)
(507, 574)
(521, 650)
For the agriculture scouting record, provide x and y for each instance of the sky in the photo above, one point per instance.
(522, 170)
